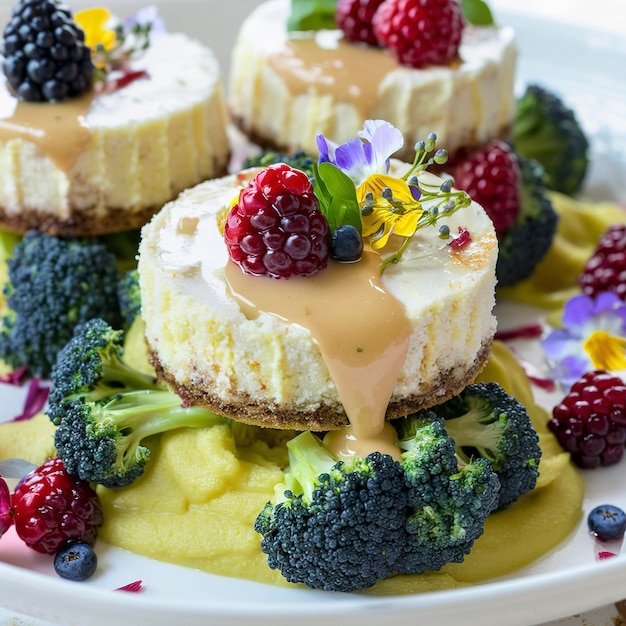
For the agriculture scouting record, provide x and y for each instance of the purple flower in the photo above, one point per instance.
(146, 15)
(369, 154)
(569, 350)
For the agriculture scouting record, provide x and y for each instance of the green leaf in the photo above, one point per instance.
(477, 12)
(312, 15)
(337, 197)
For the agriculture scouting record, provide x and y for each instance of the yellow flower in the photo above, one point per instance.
(97, 36)
(607, 352)
(398, 214)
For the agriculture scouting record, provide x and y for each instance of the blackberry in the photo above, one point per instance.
(590, 422)
(605, 270)
(45, 56)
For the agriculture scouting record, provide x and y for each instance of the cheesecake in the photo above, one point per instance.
(285, 87)
(284, 353)
(107, 160)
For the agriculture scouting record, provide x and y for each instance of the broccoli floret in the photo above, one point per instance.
(105, 409)
(546, 130)
(526, 242)
(298, 160)
(90, 366)
(336, 525)
(54, 285)
(449, 504)
(486, 422)
(129, 296)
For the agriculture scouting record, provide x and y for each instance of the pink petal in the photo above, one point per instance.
(133, 587)
(6, 519)
(16, 377)
(532, 331)
(36, 398)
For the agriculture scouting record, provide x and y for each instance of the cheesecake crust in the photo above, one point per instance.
(326, 417)
(85, 222)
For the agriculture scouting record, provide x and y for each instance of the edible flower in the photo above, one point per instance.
(387, 206)
(146, 17)
(98, 37)
(377, 203)
(113, 47)
(593, 337)
(366, 155)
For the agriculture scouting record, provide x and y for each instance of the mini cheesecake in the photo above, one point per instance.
(285, 88)
(107, 161)
(285, 353)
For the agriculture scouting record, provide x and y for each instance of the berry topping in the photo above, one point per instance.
(354, 18)
(6, 517)
(346, 243)
(606, 268)
(276, 228)
(590, 422)
(492, 178)
(45, 57)
(607, 522)
(420, 32)
(75, 561)
(52, 508)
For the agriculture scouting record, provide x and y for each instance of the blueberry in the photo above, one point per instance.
(607, 522)
(346, 243)
(75, 561)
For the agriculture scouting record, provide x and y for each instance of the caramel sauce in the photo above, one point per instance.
(337, 69)
(363, 345)
(58, 129)
(346, 71)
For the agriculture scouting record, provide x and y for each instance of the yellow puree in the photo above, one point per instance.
(201, 492)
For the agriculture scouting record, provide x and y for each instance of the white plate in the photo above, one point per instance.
(581, 65)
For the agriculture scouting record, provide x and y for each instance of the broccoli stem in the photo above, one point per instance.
(116, 374)
(142, 413)
(308, 458)
(469, 433)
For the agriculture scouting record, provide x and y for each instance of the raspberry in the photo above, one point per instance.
(420, 32)
(276, 228)
(606, 268)
(492, 178)
(590, 422)
(354, 17)
(52, 508)
(45, 57)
